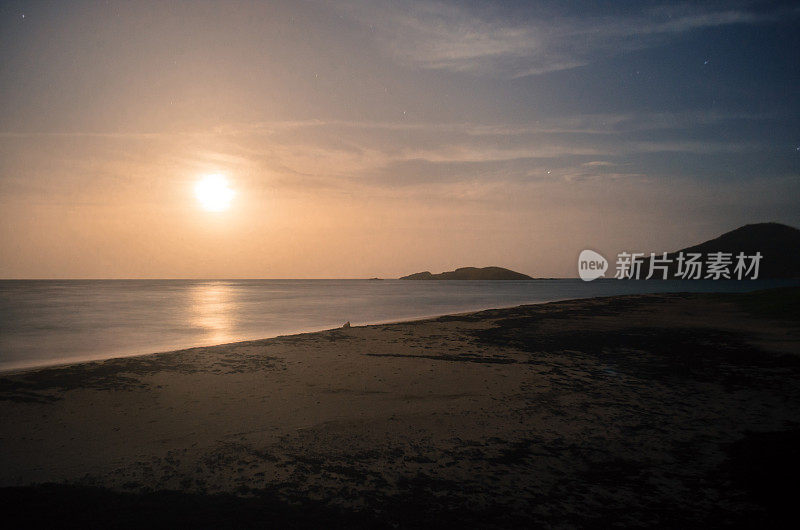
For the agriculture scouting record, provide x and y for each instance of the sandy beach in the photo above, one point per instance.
(679, 410)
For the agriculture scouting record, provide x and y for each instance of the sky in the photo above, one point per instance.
(372, 138)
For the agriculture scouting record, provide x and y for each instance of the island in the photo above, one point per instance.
(470, 273)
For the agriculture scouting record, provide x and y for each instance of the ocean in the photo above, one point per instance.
(49, 322)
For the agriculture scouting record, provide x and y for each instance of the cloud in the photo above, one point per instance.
(456, 38)
(340, 130)
(598, 163)
(380, 158)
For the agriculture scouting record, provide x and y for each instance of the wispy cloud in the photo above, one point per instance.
(339, 156)
(453, 37)
(594, 123)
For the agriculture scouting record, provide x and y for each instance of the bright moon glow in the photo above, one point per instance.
(213, 193)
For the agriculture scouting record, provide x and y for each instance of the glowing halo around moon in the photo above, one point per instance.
(214, 193)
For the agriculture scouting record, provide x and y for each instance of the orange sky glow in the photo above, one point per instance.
(348, 152)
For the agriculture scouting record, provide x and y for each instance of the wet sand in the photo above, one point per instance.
(678, 410)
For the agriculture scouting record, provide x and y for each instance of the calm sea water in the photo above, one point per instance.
(45, 322)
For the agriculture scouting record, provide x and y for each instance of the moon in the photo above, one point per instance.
(214, 193)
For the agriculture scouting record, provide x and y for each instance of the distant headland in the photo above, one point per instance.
(470, 273)
(778, 244)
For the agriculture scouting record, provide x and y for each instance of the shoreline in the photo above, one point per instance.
(399, 320)
(403, 320)
(23, 366)
(546, 414)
